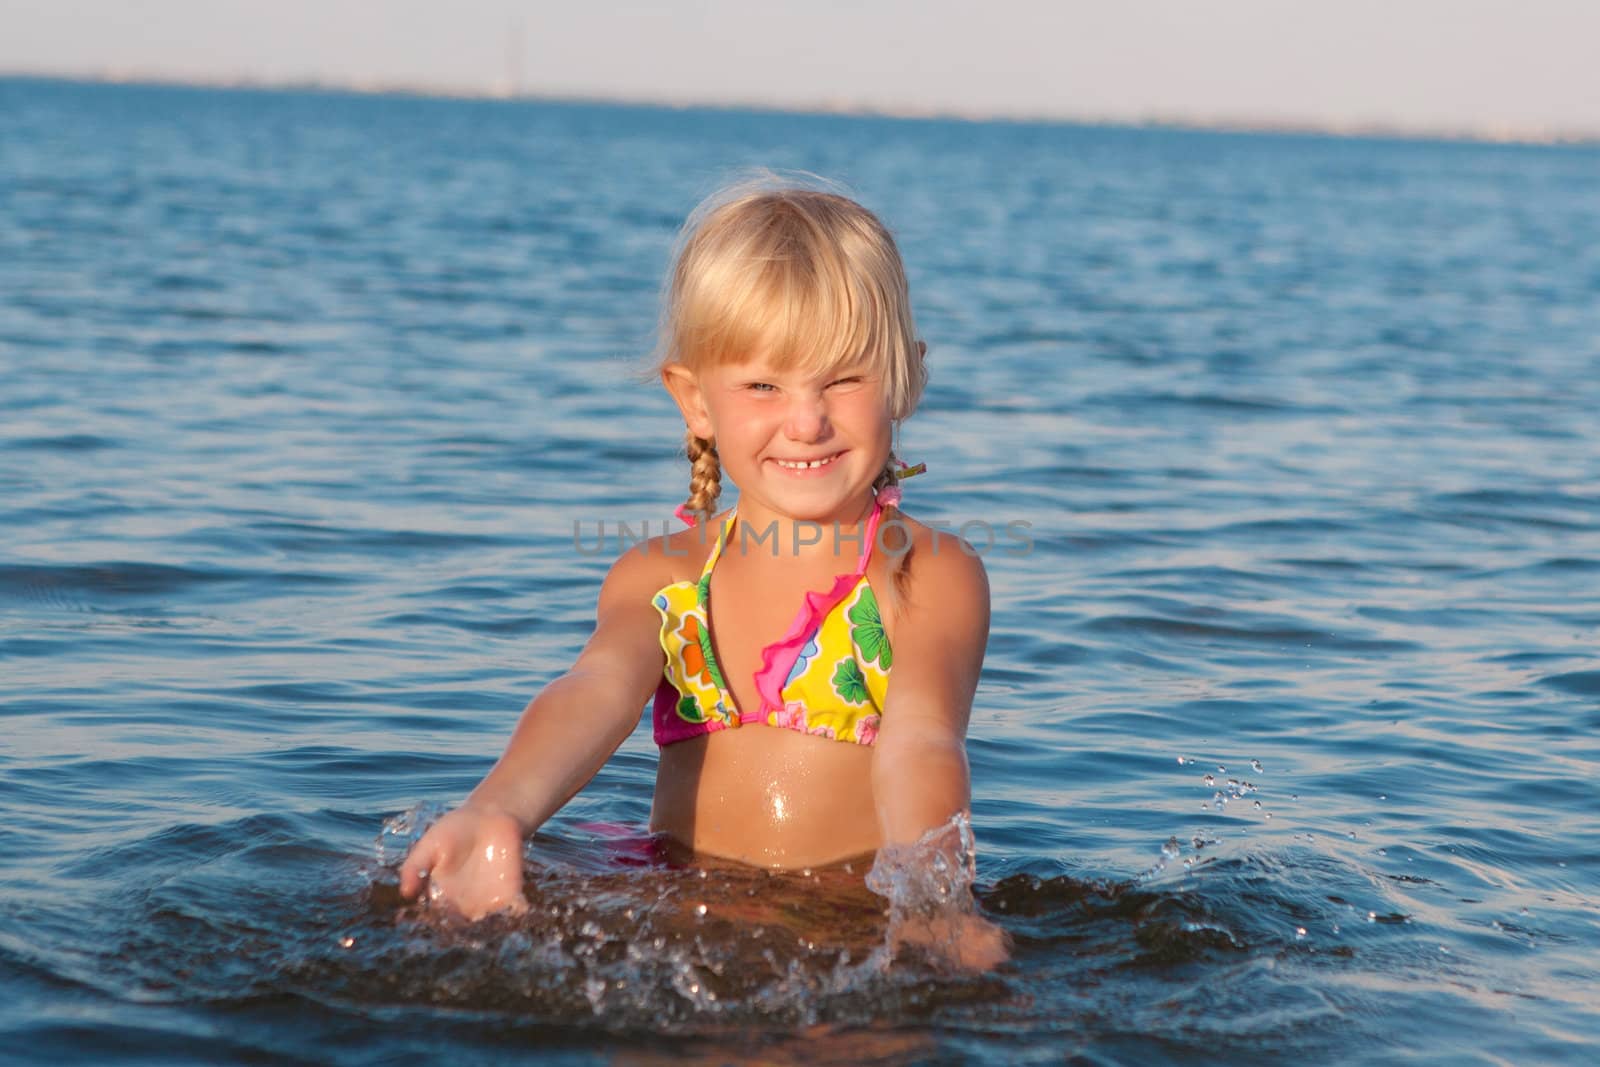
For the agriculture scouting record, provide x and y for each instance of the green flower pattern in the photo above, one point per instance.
(689, 710)
(866, 630)
(849, 682)
(702, 597)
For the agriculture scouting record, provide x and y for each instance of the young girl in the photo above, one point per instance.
(812, 651)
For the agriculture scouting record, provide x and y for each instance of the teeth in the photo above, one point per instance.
(794, 466)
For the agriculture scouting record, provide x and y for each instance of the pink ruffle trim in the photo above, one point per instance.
(778, 658)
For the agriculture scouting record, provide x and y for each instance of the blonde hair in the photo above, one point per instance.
(806, 277)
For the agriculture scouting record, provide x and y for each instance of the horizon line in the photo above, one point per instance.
(1488, 133)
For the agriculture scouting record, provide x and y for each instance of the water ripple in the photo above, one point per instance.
(1284, 746)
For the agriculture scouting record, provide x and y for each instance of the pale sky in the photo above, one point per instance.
(1483, 64)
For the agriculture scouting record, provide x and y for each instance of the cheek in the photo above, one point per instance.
(868, 414)
(743, 421)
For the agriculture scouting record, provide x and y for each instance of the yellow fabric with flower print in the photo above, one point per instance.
(827, 676)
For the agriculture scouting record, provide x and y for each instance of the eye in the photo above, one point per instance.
(852, 379)
(761, 387)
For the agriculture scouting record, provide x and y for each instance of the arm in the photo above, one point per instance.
(919, 764)
(920, 778)
(472, 858)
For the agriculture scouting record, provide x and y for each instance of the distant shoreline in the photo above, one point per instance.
(1492, 134)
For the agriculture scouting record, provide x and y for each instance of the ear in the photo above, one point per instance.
(684, 386)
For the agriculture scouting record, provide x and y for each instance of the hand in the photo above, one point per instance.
(963, 940)
(470, 861)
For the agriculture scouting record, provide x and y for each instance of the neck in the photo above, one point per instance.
(840, 536)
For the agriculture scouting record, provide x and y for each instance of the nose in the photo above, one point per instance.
(807, 417)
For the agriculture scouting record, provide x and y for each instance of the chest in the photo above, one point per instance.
(753, 604)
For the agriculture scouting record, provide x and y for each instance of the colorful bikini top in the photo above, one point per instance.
(828, 675)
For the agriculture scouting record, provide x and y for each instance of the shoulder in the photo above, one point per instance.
(643, 568)
(938, 624)
(936, 576)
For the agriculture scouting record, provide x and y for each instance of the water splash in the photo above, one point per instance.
(933, 876)
(932, 910)
(672, 945)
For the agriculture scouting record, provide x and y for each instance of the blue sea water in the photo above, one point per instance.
(1286, 743)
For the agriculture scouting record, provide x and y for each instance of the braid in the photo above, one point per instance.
(705, 475)
(886, 476)
(902, 562)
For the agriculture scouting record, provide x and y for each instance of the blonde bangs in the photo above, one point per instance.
(809, 280)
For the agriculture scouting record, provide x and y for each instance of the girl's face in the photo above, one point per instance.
(798, 446)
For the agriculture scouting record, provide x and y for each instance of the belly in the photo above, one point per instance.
(767, 796)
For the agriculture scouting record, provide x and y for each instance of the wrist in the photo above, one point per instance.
(493, 807)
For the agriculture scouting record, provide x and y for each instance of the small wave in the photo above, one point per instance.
(182, 283)
(302, 537)
(1560, 567)
(1218, 402)
(64, 586)
(261, 348)
(1583, 683)
(76, 442)
(82, 587)
(1275, 637)
(1545, 509)
(512, 626)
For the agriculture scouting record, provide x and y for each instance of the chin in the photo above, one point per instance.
(834, 508)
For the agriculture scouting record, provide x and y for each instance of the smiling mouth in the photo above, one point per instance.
(806, 464)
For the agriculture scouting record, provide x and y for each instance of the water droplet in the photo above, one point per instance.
(1221, 769)
(1299, 933)
(700, 909)
(1268, 815)
(1351, 834)
(1383, 796)
(1335, 927)
(347, 942)
(1171, 848)
(1372, 916)
(1383, 852)
(1209, 781)
(1258, 805)
(1255, 765)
